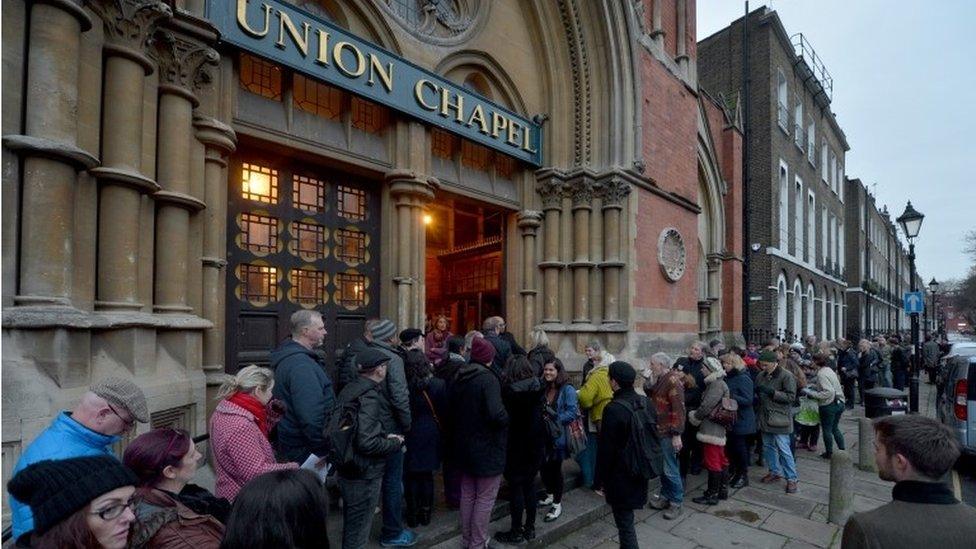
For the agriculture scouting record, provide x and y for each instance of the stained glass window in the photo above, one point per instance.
(350, 290)
(350, 246)
(260, 77)
(317, 98)
(368, 116)
(309, 243)
(259, 233)
(259, 284)
(352, 203)
(259, 183)
(308, 194)
(307, 287)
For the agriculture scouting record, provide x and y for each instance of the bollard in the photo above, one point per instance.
(865, 444)
(841, 498)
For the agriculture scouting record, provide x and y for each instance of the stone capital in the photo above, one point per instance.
(407, 186)
(215, 134)
(552, 189)
(614, 191)
(582, 191)
(128, 26)
(182, 63)
(529, 221)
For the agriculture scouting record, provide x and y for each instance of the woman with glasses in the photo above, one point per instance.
(79, 503)
(165, 460)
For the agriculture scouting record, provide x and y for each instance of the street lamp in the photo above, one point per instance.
(933, 288)
(911, 223)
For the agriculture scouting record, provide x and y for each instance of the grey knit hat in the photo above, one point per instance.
(383, 330)
(119, 391)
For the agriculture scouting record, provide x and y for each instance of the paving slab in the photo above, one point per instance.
(776, 501)
(719, 533)
(738, 511)
(658, 521)
(589, 536)
(879, 491)
(864, 503)
(816, 533)
(797, 544)
(649, 536)
(805, 490)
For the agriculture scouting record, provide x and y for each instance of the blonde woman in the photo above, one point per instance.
(539, 352)
(239, 430)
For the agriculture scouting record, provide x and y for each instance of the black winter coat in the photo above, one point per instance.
(503, 350)
(424, 444)
(526, 432)
(448, 368)
(372, 446)
(693, 395)
(622, 489)
(348, 372)
(847, 365)
(869, 365)
(479, 428)
(302, 384)
(539, 357)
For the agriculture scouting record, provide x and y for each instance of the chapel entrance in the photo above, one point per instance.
(465, 261)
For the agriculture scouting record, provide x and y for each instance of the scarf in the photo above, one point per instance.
(253, 405)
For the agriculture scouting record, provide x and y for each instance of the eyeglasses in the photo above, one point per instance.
(127, 422)
(115, 510)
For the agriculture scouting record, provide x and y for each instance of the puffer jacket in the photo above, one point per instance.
(302, 384)
(596, 393)
(775, 415)
(164, 523)
(710, 432)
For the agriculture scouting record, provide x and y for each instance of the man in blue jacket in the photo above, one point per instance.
(110, 408)
(302, 384)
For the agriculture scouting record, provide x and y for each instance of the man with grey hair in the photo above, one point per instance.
(303, 385)
(492, 328)
(665, 387)
(110, 408)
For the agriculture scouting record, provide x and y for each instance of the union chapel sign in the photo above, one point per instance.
(316, 47)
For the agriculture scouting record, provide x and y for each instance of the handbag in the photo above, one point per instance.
(575, 437)
(725, 413)
(553, 431)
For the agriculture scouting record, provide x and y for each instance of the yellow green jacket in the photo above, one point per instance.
(596, 393)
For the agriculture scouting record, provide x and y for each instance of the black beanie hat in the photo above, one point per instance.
(409, 335)
(55, 489)
(623, 373)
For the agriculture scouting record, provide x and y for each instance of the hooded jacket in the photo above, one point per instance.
(526, 432)
(165, 523)
(479, 431)
(302, 384)
(596, 393)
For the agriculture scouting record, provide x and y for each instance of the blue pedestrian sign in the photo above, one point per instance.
(914, 303)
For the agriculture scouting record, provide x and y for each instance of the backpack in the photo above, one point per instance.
(642, 455)
(340, 438)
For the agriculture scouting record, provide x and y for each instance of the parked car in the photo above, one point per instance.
(957, 407)
(963, 348)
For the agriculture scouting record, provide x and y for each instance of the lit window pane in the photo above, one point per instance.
(350, 290)
(259, 183)
(307, 287)
(318, 98)
(350, 246)
(259, 233)
(259, 284)
(309, 241)
(368, 116)
(260, 77)
(474, 156)
(352, 203)
(309, 194)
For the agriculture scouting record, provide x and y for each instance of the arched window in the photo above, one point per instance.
(784, 210)
(811, 327)
(781, 306)
(797, 309)
(825, 333)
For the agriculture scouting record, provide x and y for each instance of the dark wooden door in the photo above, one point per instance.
(298, 236)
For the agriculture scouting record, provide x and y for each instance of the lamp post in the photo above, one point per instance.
(933, 325)
(911, 223)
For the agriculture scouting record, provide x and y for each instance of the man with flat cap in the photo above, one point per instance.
(109, 409)
(376, 440)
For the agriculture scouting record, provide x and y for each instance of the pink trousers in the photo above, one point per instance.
(477, 499)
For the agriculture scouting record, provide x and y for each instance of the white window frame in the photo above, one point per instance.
(784, 208)
(782, 100)
(824, 250)
(833, 171)
(798, 128)
(840, 179)
(811, 225)
(798, 220)
(824, 164)
(840, 244)
(812, 142)
(837, 248)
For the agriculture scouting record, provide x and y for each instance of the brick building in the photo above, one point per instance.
(794, 174)
(178, 181)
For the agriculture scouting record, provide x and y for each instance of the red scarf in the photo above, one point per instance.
(253, 405)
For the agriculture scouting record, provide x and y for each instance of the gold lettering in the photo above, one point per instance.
(478, 114)
(360, 60)
(323, 57)
(527, 141)
(385, 73)
(284, 23)
(457, 107)
(242, 19)
(513, 133)
(498, 123)
(418, 93)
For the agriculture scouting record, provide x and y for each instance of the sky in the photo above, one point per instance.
(905, 96)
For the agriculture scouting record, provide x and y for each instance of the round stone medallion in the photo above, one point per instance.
(671, 254)
(444, 22)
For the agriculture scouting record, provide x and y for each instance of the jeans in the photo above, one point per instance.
(849, 392)
(552, 479)
(776, 452)
(884, 376)
(477, 498)
(624, 518)
(587, 460)
(359, 499)
(393, 496)
(522, 502)
(737, 448)
(830, 420)
(672, 488)
(690, 455)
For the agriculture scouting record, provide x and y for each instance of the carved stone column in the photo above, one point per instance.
(128, 24)
(220, 141)
(181, 64)
(551, 189)
(529, 222)
(657, 32)
(615, 193)
(50, 152)
(410, 194)
(682, 57)
(581, 191)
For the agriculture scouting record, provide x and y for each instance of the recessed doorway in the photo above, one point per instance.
(465, 261)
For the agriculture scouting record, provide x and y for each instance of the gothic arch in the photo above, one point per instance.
(459, 66)
(363, 19)
(781, 304)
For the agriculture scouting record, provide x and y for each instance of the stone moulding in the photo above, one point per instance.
(126, 178)
(182, 200)
(580, 327)
(48, 317)
(57, 150)
(74, 8)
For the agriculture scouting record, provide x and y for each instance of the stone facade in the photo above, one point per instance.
(794, 167)
(129, 128)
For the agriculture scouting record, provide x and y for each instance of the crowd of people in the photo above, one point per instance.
(406, 406)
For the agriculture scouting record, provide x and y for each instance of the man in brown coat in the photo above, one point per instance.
(916, 452)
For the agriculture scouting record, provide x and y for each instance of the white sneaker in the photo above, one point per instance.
(554, 512)
(547, 501)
